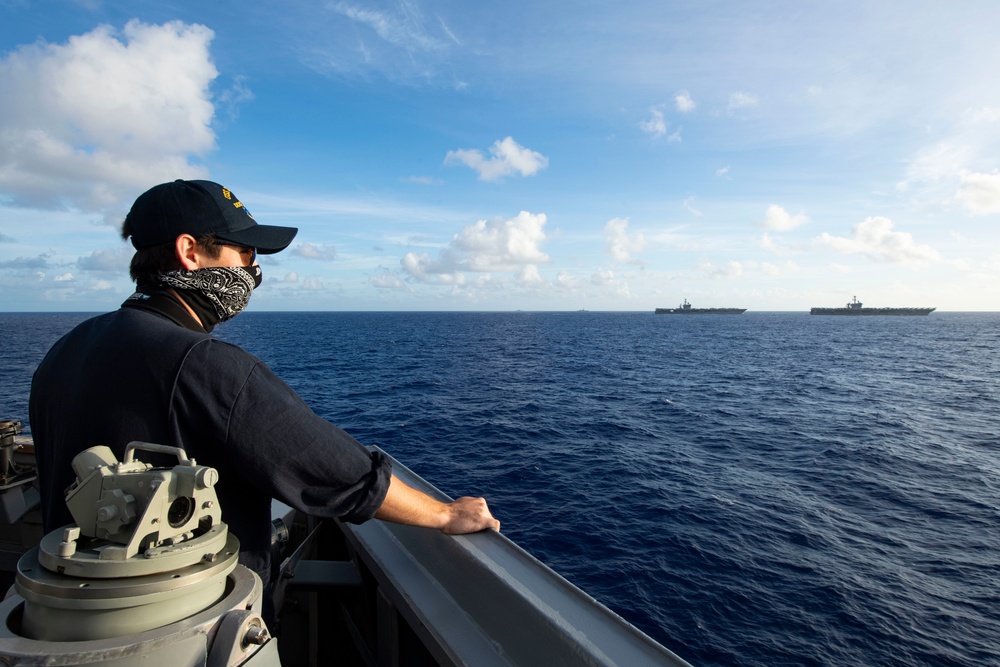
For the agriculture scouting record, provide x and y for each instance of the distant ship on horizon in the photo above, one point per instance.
(686, 309)
(855, 308)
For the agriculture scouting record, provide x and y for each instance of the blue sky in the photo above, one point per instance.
(519, 155)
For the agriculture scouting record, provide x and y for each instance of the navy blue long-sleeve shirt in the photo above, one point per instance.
(138, 374)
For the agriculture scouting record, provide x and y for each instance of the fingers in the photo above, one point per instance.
(469, 515)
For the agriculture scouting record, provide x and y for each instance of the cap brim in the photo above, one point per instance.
(267, 239)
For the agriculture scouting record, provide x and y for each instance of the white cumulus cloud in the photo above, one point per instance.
(96, 119)
(487, 246)
(621, 245)
(874, 238)
(684, 102)
(530, 274)
(506, 157)
(980, 193)
(778, 219)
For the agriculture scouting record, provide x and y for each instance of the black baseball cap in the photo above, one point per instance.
(166, 211)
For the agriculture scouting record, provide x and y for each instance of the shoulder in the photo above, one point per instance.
(216, 359)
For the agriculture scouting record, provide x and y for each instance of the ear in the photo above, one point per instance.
(188, 253)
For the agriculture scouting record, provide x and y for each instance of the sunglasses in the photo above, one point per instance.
(244, 251)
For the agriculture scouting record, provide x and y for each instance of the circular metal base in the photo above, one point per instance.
(59, 607)
(189, 641)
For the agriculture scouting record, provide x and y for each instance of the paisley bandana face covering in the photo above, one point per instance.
(216, 293)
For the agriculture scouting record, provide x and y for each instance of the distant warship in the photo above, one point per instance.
(854, 308)
(686, 309)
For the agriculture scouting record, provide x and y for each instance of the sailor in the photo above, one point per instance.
(151, 372)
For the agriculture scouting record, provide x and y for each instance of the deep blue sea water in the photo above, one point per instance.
(756, 490)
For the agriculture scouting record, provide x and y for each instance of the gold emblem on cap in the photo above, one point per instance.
(227, 194)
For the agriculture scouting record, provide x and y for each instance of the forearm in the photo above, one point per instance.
(406, 505)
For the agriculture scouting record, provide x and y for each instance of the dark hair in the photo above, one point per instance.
(149, 264)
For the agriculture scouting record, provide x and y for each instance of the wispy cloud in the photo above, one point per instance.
(655, 125)
(767, 243)
(613, 285)
(422, 180)
(405, 27)
(387, 280)
(111, 261)
(395, 41)
(34, 263)
(771, 270)
(729, 270)
(690, 207)
(325, 253)
(741, 100)
(232, 98)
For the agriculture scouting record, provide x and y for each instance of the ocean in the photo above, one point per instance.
(757, 490)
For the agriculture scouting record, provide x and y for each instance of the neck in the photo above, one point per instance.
(186, 306)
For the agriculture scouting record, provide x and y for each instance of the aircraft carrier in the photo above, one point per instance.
(855, 308)
(686, 309)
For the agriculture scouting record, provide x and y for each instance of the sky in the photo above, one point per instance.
(561, 155)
